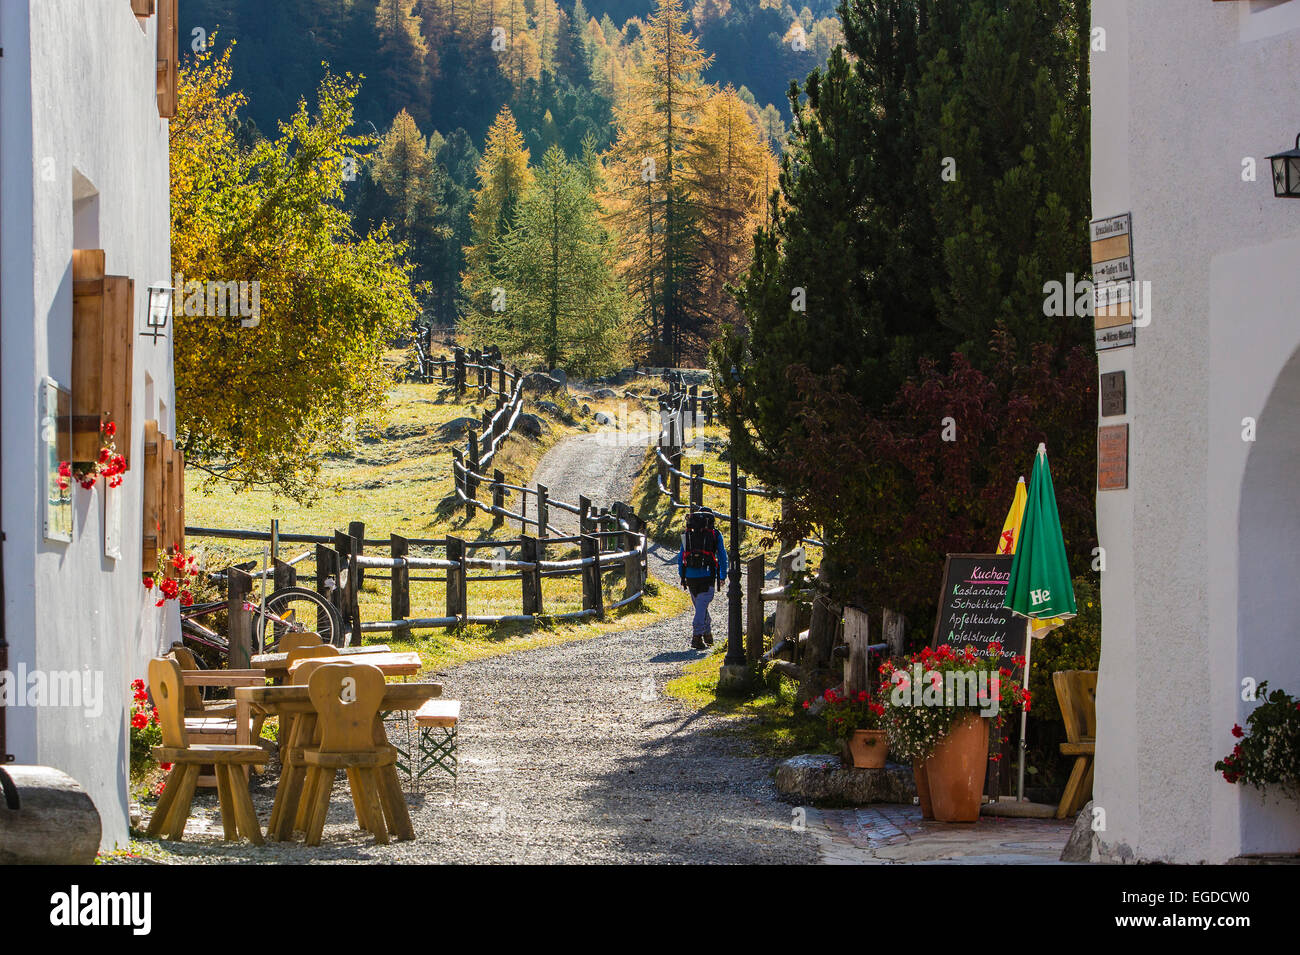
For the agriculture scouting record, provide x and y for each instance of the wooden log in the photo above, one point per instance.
(585, 522)
(697, 486)
(755, 571)
(530, 549)
(456, 586)
(458, 379)
(857, 638)
(543, 510)
(674, 479)
(592, 596)
(471, 482)
(240, 621)
(46, 818)
(400, 596)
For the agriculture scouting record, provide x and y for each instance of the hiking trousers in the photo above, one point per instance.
(701, 589)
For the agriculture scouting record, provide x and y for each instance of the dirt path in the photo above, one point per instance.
(572, 753)
(601, 465)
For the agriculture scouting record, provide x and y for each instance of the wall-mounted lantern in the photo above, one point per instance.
(160, 310)
(1286, 173)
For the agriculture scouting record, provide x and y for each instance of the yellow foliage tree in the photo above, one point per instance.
(263, 395)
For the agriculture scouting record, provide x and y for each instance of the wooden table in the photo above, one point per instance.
(295, 700)
(390, 664)
(277, 664)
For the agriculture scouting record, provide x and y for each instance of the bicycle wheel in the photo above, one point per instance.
(300, 609)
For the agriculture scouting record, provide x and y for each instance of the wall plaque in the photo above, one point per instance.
(1114, 400)
(1112, 457)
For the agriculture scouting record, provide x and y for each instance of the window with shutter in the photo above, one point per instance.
(168, 57)
(103, 311)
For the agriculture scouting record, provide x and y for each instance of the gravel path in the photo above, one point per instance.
(572, 753)
(601, 465)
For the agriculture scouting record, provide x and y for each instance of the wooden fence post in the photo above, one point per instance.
(857, 637)
(633, 580)
(501, 370)
(343, 545)
(708, 408)
(697, 486)
(674, 478)
(694, 406)
(240, 621)
(585, 523)
(530, 549)
(458, 380)
(742, 504)
(471, 482)
(458, 473)
(592, 596)
(327, 567)
(755, 571)
(893, 627)
(357, 531)
(275, 538)
(456, 586)
(401, 591)
(787, 610)
(498, 490)
(479, 361)
(282, 574)
(543, 509)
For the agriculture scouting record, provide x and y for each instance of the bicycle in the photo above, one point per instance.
(286, 610)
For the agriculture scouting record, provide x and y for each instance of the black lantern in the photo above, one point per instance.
(1286, 173)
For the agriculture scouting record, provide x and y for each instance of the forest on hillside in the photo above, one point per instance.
(434, 79)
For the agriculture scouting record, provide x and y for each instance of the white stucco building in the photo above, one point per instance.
(84, 92)
(1201, 587)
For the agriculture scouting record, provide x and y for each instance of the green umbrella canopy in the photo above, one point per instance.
(1040, 587)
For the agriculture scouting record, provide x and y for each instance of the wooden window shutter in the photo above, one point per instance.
(152, 518)
(103, 310)
(168, 57)
(142, 8)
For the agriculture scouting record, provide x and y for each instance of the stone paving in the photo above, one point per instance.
(879, 835)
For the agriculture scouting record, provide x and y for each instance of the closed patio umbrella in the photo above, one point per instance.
(1040, 590)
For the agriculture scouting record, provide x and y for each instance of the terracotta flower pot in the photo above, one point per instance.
(922, 788)
(956, 769)
(868, 749)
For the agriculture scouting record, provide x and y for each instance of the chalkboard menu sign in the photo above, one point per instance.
(970, 605)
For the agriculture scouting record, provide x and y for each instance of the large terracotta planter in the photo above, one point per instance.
(868, 749)
(956, 769)
(922, 788)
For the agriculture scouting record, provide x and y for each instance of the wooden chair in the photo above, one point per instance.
(347, 697)
(292, 641)
(1076, 692)
(173, 810)
(215, 721)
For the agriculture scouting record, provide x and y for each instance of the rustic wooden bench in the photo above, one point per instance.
(1076, 692)
(437, 722)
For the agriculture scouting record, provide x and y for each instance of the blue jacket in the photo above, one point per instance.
(704, 571)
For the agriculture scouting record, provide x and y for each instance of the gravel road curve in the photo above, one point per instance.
(572, 754)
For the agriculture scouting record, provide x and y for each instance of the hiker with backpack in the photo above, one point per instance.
(702, 568)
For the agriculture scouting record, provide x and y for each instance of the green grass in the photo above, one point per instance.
(770, 717)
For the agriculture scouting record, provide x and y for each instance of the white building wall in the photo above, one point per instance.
(78, 106)
(1184, 92)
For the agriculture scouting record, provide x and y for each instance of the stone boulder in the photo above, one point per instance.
(540, 383)
(818, 778)
(1079, 846)
(604, 393)
(456, 428)
(603, 419)
(531, 426)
